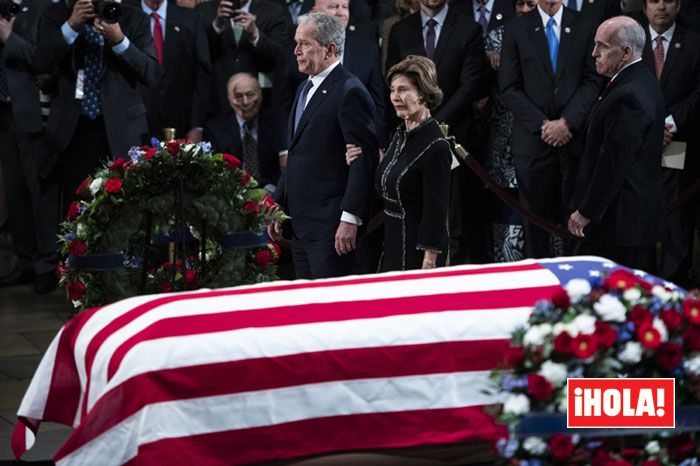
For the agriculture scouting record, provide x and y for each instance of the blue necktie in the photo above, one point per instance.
(553, 42)
(572, 5)
(482, 19)
(301, 102)
(92, 102)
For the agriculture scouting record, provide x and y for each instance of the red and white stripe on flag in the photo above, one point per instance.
(286, 369)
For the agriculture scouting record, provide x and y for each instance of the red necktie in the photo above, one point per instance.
(157, 37)
(659, 56)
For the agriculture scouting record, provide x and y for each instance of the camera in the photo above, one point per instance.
(108, 10)
(8, 9)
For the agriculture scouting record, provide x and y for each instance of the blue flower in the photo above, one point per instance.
(155, 143)
(596, 282)
(594, 445)
(135, 154)
(689, 462)
(71, 235)
(531, 463)
(678, 372)
(623, 335)
(510, 383)
(132, 262)
(576, 373)
(205, 146)
(506, 447)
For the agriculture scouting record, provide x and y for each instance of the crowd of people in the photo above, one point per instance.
(341, 109)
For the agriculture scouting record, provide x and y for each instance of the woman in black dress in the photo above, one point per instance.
(413, 178)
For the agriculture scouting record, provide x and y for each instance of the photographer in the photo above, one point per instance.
(32, 212)
(98, 112)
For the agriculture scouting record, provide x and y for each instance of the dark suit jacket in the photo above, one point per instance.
(18, 53)
(318, 185)
(180, 97)
(619, 182)
(530, 88)
(459, 58)
(229, 58)
(225, 136)
(601, 9)
(122, 106)
(503, 10)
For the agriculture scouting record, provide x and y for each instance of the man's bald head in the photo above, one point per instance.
(618, 42)
(244, 95)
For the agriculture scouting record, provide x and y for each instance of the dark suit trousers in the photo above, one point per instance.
(87, 150)
(546, 183)
(318, 259)
(677, 243)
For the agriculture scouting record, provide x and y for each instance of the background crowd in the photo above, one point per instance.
(518, 84)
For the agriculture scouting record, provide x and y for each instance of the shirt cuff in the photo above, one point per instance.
(121, 47)
(217, 29)
(271, 188)
(254, 43)
(350, 218)
(672, 122)
(69, 34)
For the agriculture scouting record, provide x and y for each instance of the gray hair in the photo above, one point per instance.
(630, 33)
(329, 30)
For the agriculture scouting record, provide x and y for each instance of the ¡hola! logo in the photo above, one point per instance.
(621, 403)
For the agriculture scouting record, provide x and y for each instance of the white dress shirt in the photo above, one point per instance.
(439, 19)
(162, 12)
(489, 9)
(667, 35)
(557, 20)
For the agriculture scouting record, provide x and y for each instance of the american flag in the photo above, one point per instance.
(283, 370)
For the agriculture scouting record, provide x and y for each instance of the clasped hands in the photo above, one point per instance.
(556, 133)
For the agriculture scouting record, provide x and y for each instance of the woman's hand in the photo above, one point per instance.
(352, 152)
(429, 259)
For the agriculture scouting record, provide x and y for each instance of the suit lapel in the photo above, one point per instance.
(498, 15)
(316, 100)
(674, 49)
(567, 36)
(648, 54)
(539, 40)
(172, 31)
(446, 34)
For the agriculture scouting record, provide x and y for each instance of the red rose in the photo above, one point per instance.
(561, 299)
(165, 287)
(670, 355)
(563, 343)
(605, 334)
(630, 454)
(191, 278)
(561, 447)
(671, 318)
(73, 210)
(623, 280)
(680, 447)
(149, 153)
(113, 185)
(245, 180)
(83, 186)
(648, 336)
(601, 458)
(650, 463)
(262, 257)
(230, 161)
(539, 387)
(515, 356)
(691, 338)
(62, 270)
(275, 250)
(691, 310)
(77, 248)
(584, 346)
(76, 290)
(173, 147)
(618, 463)
(251, 208)
(119, 165)
(268, 202)
(641, 316)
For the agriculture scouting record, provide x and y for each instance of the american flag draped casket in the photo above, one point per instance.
(287, 369)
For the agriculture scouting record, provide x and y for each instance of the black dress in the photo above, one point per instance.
(414, 183)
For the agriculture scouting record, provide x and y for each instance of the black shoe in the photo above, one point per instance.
(15, 278)
(45, 283)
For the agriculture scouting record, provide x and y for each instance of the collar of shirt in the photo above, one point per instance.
(668, 35)
(246, 7)
(439, 18)
(489, 8)
(557, 18)
(627, 65)
(241, 130)
(162, 9)
(318, 79)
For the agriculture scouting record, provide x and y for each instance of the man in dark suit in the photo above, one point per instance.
(490, 14)
(32, 212)
(548, 81)
(98, 111)
(677, 67)
(248, 40)
(181, 96)
(455, 43)
(256, 136)
(326, 199)
(619, 196)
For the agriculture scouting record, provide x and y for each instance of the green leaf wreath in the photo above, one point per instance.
(157, 189)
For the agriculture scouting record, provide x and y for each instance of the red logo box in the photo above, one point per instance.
(621, 403)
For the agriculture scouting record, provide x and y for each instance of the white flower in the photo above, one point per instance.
(535, 446)
(585, 323)
(660, 327)
(533, 337)
(555, 373)
(80, 230)
(610, 308)
(578, 288)
(632, 294)
(545, 329)
(558, 328)
(632, 353)
(661, 292)
(188, 147)
(517, 404)
(692, 365)
(563, 404)
(653, 447)
(96, 185)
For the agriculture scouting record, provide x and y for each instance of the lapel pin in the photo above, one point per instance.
(537, 28)
(567, 30)
(177, 28)
(351, 27)
(591, 1)
(26, 8)
(678, 45)
(499, 16)
(323, 91)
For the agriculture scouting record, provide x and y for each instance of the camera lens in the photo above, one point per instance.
(111, 12)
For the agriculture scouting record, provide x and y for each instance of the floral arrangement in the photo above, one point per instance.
(619, 326)
(132, 200)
